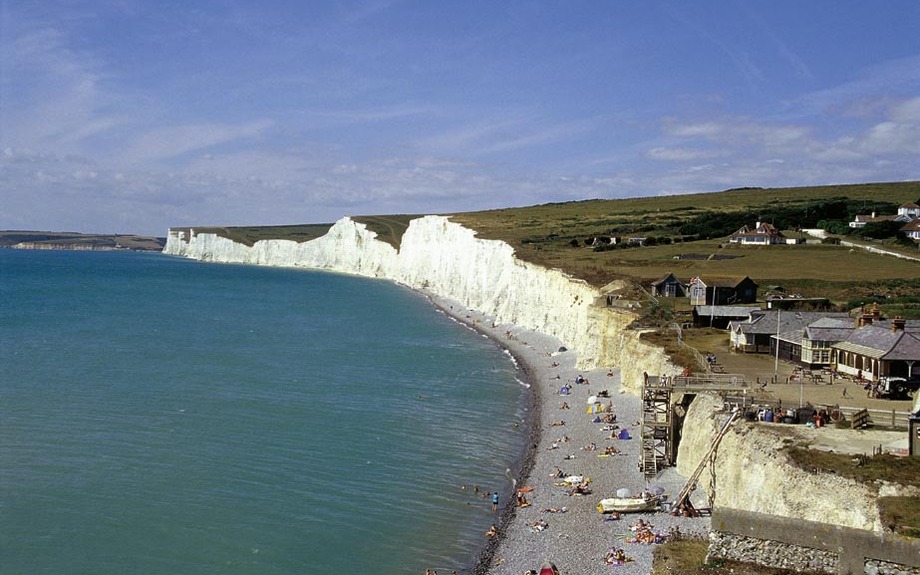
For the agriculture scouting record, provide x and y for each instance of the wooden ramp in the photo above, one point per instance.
(713, 445)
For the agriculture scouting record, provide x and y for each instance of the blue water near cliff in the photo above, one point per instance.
(159, 415)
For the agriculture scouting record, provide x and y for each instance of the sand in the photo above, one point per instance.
(575, 540)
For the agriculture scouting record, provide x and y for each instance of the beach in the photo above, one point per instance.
(556, 527)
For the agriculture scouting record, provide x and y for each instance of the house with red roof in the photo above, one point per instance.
(762, 234)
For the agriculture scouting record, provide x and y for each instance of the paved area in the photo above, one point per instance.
(759, 369)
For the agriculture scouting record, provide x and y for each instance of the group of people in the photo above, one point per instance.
(685, 509)
(616, 557)
(645, 534)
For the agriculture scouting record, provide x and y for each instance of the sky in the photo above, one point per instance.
(131, 116)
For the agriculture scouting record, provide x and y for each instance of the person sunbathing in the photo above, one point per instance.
(580, 489)
(616, 557)
(640, 526)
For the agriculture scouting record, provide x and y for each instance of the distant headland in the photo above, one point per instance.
(33, 240)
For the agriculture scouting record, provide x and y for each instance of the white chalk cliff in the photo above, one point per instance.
(448, 259)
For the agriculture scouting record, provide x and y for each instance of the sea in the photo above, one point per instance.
(160, 415)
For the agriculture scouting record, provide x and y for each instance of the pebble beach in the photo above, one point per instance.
(567, 530)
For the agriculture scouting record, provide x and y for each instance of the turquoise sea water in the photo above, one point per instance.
(159, 415)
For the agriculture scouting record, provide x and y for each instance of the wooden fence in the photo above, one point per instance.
(889, 418)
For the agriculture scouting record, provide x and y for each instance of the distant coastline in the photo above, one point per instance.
(37, 240)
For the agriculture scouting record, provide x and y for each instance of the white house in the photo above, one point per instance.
(761, 234)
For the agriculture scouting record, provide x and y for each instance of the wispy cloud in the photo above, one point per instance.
(169, 142)
(501, 135)
(668, 154)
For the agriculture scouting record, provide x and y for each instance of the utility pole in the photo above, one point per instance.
(779, 315)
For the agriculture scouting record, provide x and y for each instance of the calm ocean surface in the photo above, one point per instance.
(160, 415)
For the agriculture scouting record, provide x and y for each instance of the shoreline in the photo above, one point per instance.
(532, 428)
(577, 539)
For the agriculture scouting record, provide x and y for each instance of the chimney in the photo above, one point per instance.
(873, 215)
(898, 323)
(876, 313)
(757, 226)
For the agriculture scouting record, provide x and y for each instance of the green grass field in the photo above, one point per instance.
(553, 235)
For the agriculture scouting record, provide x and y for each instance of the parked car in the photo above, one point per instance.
(899, 387)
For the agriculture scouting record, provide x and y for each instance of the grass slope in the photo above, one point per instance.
(553, 235)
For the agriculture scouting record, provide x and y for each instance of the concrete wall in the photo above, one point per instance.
(809, 546)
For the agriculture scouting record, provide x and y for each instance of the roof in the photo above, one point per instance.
(761, 230)
(829, 329)
(911, 226)
(792, 336)
(868, 218)
(881, 343)
(765, 322)
(725, 310)
(909, 205)
(724, 282)
(666, 278)
(910, 325)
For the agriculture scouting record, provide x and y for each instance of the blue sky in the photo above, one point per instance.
(131, 116)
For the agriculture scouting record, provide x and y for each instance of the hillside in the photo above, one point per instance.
(689, 233)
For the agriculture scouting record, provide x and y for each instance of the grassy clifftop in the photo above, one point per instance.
(690, 234)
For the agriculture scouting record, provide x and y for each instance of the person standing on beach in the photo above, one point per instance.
(495, 502)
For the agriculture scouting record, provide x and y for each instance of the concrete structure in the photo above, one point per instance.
(813, 546)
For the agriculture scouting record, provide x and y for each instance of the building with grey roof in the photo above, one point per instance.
(875, 351)
(757, 334)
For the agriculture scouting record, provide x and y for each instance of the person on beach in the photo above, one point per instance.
(495, 502)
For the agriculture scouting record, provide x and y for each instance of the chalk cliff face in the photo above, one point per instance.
(448, 259)
(752, 474)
